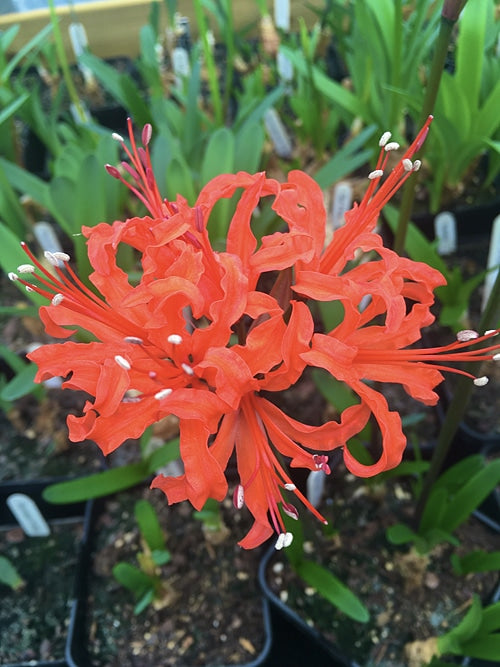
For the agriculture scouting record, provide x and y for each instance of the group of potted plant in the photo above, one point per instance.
(267, 98)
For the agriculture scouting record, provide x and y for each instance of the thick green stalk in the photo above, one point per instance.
(397, 54)
(210, 63)
(63, 61)
(458, 404)
(230, 55)
(449, 16)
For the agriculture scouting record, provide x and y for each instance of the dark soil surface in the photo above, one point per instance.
(211, 609)
(33, 620)
(409, 596)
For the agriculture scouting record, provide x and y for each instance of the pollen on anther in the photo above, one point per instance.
(384, 139)
(163, 393)
(480, 382)
(122, 362)
(391, 146)
(239, 497)
(290, 487)
(175, 339)
(117, 137)
(135, 340)
(407, 164)
(466, 335)
(496, 357)
(491, 332)
(12, 276)
(416, 165)
(377, 173)
(57, 299)
(187, 369)
(26, 268)
(51, 258)
(61, 256)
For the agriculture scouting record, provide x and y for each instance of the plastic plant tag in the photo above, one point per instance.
(28, 515)
(180, 63)
(285, 67)
(278, 134)
(342, 202)
(282, 14)
(78, 38)
(445, 230)
(493, 261)
(46, 237)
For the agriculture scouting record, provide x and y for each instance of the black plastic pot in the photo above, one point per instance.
(77, 653)
(294, 639)
(71, 514)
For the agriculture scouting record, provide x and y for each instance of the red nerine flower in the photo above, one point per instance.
(196, 337)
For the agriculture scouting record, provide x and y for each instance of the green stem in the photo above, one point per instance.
(458, 403)
(396, 62)
(210, 63)
(230, 55)
(63, 61)
(431, 92)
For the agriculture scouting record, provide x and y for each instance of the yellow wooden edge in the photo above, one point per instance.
(113, 26)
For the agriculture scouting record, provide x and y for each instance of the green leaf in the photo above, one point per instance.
(470, 496)
(400, 534)
(333, 590)
(149, 525)
(337, 393)
(452, 642)
(490, 621)
(248, 147)
(9, 575)
(219, 155)
(180, 180)
(160, 556)
(144, 601)
(483, 648)
(165, 454)
(476, 561)
(132, 578)
(20, 385)
(11, 257)
(346, 160)
(97, 485)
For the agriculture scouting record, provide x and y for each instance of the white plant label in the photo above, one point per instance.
(282, 14)
(28, 515)
(342, 202)
(493, 261)
(78, 38)
(285, 67)
(278, 134)
(180, 62)
(46, 237)
(445, 230)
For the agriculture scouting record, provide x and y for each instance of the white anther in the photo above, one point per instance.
(175, 339)
(407, 164)
(290, 487)
(51, 258)
(280, 542)
(377, 173)
(163, 393)
(13, 276)
(384, 139)
(56, 299)
(288, 539)
(491, 332)
(417, 164)
(480, 382)
(26, 268)
(117, 137)
(391, 146)
(122, 362)
(496, 357)
(466, 335)
(239, 497)
(61, 256)
(135, 340)
(187, 369)
(28, 288)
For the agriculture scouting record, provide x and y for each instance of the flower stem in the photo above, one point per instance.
(210, 63)
(63, 61)
(448, 20)
(458, 404)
